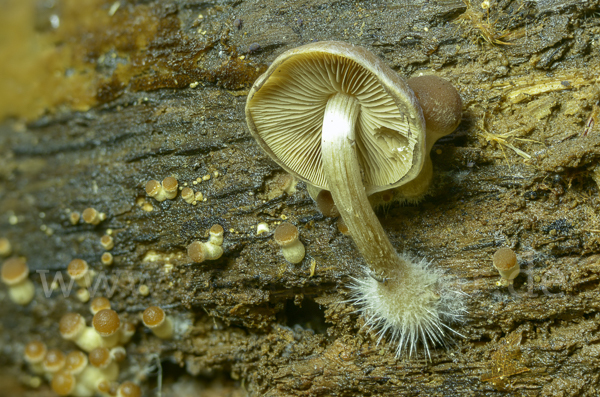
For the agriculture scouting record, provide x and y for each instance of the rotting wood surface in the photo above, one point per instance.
(518, 172)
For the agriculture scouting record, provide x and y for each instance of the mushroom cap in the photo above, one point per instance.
(170, 184)
(285, 234)
(197, 252)
(100, 357)
(54, 360)
(216, 230)
(77, 268)
(326, 204)
(129, 389)
(153, 317)
(89, 215)
(63, 383)
(99, 303)
(286, 105)
(187, 193)
(106, 258)
(153, 187)
(71, 325)
(14, 271)
(441, 104)
(35, 352)
(106, 322)
(107, 242)
(504, 259)
(76, 362)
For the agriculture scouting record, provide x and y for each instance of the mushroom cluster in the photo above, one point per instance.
(209, 251)
(335, 116)
(80, 374)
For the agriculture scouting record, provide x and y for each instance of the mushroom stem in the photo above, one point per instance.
(343, 173)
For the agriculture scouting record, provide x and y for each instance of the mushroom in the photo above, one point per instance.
(79, 271)
(335, 116)
(5, 247)
(129, 389)
(159, 323)
(106, 322)
(15, 274)
(72, 327)
(99, 303)
(505, 261)
(107, 242)
(209, 251)
(286, 235)
(92, 216)
(35, 352)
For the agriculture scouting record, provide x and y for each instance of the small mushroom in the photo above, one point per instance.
(15, 274)
(35, 352)
(54, 361)
(209, 251)
(129, 389)
(286, 235)
(72, 327)
(99, 303)
(107, 242)
(5, 247)
(505, 261)
(106, 322)
(159, 323)
(335, 116)
(79, 271)
(76, 362)
(92, 216)
(107, 259)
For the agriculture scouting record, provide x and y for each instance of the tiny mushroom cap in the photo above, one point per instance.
(118, 353)
(92, 216)
(71, 326)
(505, 261)
(170, 185)
(188, 195)
(154, 188)
(159, 323)
(129, 389)
(216, 235)
(153, 317)
(286, 235)
(200, 252)
(107, 242)
(441, 104)
(326, 204)
(54, 361)
(106, 322)
(63, 383)
(99, 303)
(78, 269)
(100, 357)
(14, 271)
(76, 362)
(35, 352)
(5, 247)
(107, 259)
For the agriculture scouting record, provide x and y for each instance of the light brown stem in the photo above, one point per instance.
(343, 174)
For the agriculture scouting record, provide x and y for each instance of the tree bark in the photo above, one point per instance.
(157, 89)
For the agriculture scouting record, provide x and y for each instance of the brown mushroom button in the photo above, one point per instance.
(153, 316)
(285, 234)
(106, 322)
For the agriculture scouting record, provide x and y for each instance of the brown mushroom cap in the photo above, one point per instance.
(63, 383)
(153, 317)
(77, 269)
(216, 230)
(35, 352)
(99, 303)
(326, 204)
(100, 357)
(106, 322)
(76, 362)
(187, 194)
(441, 104)
(54, 360)
(90, 215)
(129, 389)
(71, 325)
(285, 234)
(14, 271)
(504, 259)
(153, 187)
(170, 184)
(197, 252)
